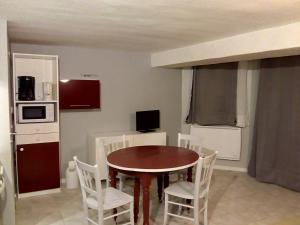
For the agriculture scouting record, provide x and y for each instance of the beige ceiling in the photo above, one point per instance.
(142, 25)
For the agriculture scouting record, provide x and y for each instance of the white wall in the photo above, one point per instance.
(7, 203)
(247, 132)
(128, 84)
(272, 42)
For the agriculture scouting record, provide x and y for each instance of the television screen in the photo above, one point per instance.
(147, 120)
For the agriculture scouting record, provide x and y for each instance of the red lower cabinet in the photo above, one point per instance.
(38, 166)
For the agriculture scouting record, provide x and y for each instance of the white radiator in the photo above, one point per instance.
(226, 140)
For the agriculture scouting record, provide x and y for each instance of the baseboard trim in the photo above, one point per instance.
(231, 168)
(36, 193)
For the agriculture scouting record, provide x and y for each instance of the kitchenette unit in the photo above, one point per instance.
(36, 123)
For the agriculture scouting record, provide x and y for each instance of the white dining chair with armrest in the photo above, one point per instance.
(110, 145)
(96, 198)
(190, 142)
(193, 191)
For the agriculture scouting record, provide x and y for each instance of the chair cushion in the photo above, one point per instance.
(112, 197)
(184, 189)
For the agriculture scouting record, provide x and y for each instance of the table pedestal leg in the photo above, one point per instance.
(159, 187)
(146, 181)
(136, 198)
(113, 177)
(190, 174)
(113, 183)
(166, 180)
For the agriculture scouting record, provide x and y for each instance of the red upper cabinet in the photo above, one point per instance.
(79, 94)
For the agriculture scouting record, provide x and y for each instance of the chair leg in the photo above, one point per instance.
(205, 213)
(179, 211)
(100, 216)
(180, 208)
(131, 214)
(166, 208)
(85, 209)
(178, 176)
(196, 211)
(107, 182)
(121, 183)
(86, 214)
(205, 217)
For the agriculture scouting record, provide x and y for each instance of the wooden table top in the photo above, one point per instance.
(152, 158)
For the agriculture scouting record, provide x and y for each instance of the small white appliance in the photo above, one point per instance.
(47, 91)
(36, 113)
(71, 176)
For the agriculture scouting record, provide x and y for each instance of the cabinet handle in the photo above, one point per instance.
(80, 105)
(21, 149)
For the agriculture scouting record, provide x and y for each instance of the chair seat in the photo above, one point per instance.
(184, 189)
(112, 197)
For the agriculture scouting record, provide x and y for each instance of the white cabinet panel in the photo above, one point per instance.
(36, 138)
(30, 128)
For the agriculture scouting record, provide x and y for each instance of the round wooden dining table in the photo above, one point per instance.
(145, 163)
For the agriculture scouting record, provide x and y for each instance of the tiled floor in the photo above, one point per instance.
(235, 199)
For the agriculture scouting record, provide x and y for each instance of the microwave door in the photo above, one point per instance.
(36, 113)
(33, 114)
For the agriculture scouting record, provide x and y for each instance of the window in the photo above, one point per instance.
(214, 94)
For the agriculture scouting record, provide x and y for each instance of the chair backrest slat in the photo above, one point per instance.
(114, 143)
(128, 141)
(190, 142)
(90, 191)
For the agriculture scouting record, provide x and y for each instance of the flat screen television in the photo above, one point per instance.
(147, 121)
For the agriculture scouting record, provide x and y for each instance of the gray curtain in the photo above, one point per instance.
(275, 156)
(213, 100)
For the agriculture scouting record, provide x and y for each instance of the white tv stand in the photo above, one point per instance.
(95, 153)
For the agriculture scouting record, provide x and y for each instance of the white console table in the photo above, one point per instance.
(95, 153)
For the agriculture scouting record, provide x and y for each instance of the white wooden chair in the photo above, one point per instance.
(110, 145)
(190, 142)
(96, 198)
(193, 191)
(128, 140)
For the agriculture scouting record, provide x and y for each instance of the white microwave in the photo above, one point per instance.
(36, 113)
